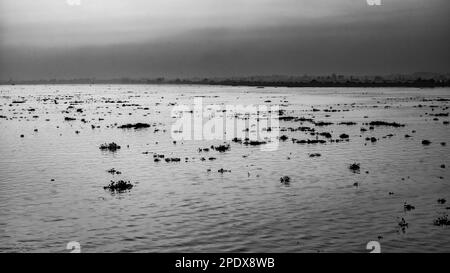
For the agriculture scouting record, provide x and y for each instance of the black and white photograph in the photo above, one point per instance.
(224, 126)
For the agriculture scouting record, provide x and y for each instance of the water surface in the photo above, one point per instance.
(181, 206)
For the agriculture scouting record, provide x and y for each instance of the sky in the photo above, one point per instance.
(106, 39)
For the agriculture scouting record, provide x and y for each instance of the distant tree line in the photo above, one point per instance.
(428, 80)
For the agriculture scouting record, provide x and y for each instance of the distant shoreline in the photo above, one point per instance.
(416, 80)
(252, 84)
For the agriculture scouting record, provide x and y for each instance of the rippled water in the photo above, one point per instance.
(180, 206)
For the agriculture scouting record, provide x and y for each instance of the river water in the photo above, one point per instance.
(52, 177)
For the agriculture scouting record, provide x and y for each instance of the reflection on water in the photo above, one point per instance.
(52, 178)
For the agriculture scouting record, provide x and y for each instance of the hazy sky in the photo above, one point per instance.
(41, 39)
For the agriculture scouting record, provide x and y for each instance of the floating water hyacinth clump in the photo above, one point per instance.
(442, 221)
(222, 170)
(109, 147)
(285, 180)
(426, 142)
(221, 148)
(355, 167)
(119, 186)
(403, 225)
(114, 171)
(385, 123)
(254, 142)
(408, 207)
(135, 126)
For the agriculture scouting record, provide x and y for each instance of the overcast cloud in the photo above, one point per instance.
(184, 38)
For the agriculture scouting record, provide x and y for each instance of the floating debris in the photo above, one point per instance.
(110, 147)
(355, 167)
(285, 180)
(134, 126)
(310, 141)
(323, 123)
(385, 123)
(442, 221)
(254, 142)
(69, 119)
(408, 207)
(173, 159)
(325, 134)
(403, 224)
(348, 123)
(440, 115)
(315, 155)
(426, 142)
(224, 171)
(119, 186)
(221, 148)
(114, 171)
(237, 140)
(442, 201)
